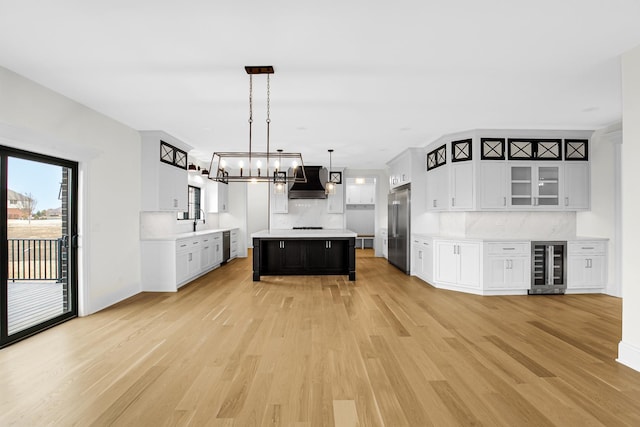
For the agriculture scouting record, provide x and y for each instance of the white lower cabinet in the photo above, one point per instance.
(235, 243)
(507, 266)
(211, 252)
(504, 267)
(457, 264)
(422, 258)
(586, 266)
(188, 259)
(217, 249)
(169, 264)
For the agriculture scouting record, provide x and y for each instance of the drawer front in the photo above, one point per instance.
(508, 248)
(183, 245)
(586, 248)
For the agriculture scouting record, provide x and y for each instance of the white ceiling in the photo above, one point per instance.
(366, 78)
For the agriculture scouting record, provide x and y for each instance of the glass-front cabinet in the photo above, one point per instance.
(534, 185)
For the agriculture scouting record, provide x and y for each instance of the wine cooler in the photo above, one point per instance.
(548, 268)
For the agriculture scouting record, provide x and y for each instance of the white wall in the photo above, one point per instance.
(629, 347)
(257, 209)
(236, 217)
(603, 218)
(35, 118)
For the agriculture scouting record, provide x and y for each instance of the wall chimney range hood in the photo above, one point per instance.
(313, 188)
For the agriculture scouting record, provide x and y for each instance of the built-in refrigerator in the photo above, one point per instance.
(399, 229)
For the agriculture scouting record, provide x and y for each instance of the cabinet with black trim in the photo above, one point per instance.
(437, 188)
(534, 149)
(164, 172)
(461, 175)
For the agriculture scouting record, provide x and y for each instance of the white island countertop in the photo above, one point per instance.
(304, 234)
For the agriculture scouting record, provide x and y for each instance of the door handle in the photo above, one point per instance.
(504, 201)
(453, 201)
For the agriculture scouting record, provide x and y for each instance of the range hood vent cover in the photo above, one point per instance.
(313, 188)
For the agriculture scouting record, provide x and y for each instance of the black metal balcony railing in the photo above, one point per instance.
(35, 259)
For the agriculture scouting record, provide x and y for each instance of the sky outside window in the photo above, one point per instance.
(40, 179)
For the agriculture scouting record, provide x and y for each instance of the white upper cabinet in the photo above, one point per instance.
(361, 194)
(437, 189)
(534, 185)
(490, 170)
(493, 185)
(462, 186)
(577, 186)
(164, 172)
(400, 170)
(335, 201)
(218, 196)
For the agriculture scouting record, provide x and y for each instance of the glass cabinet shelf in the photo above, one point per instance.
(533, 185)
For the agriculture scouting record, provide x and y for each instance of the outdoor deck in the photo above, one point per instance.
(32, 302)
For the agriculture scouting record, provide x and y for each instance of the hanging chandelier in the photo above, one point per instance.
(258, 166)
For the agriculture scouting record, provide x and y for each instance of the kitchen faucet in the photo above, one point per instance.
(195, 220)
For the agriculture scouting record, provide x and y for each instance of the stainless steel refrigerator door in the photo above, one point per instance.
(399, 230)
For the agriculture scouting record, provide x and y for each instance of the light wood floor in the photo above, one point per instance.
(387, 350)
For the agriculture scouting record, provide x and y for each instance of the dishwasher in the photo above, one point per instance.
(226, 246)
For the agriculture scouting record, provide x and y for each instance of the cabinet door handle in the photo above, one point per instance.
(508, 249)
(587, 247)
(435, 203)
(566, 201)
(504, 201)
(453, 201)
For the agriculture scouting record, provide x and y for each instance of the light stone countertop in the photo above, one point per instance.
(189, 234)
(506, 239)
(304, 234)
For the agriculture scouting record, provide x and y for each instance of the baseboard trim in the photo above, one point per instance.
(629, 355)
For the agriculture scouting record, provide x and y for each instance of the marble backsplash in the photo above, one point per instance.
(159, 224)
(307, 213)
(535, 225)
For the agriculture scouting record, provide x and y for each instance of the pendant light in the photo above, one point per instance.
(330, 187)
(279, 177)
(252, 166)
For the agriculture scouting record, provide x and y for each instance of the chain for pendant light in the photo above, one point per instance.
(268, 118)
(250, 116)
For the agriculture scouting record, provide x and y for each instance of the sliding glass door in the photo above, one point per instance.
(38, 205)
